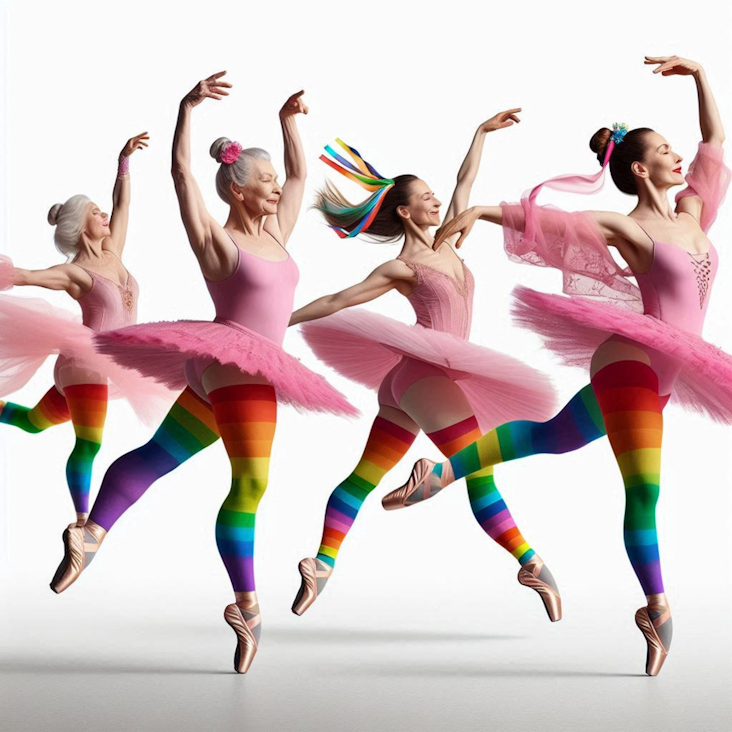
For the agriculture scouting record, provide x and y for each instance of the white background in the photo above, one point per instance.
(423, 625)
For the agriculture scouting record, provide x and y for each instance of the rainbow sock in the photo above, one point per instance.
(246, 415)
(386, 446)
(627, 393)
(188, 428)
(88, 408)
(486, 502)
(579, 423)
(50, 411)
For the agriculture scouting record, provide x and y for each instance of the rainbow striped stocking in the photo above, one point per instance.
(627, 392)
(246, 415)
(386, 445)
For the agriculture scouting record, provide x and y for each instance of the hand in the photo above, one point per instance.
(501, 120)
(210, 87)
(134, 143)
(673, 65)
(294, 105)
(462, 223)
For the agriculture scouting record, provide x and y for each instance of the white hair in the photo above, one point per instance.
(69, 219)
(237, 172)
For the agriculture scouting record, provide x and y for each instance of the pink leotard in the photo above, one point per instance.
(259, 295)
(676, 290)
(107, 305)
(440, 302)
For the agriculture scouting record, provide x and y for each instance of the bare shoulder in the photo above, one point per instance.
(395, 269)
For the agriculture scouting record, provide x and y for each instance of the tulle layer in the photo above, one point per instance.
(708, 178)
(6, 272)
(160, 351)
(572, 243)
(574, 327)
(365, 346)
(31, 330)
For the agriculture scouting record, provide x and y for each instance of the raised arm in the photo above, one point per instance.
(386, 277)
(707, 178)
(469, 169)
(198, 222)
(121, 196)
(710, 121)
(293, 188)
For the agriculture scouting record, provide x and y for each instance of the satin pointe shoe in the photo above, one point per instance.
(81, 544)
(536, 575)
(423, 483)
(314, 573)
(247, 626)
(657, 629)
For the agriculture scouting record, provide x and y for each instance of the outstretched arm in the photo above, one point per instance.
(66, 277)
(293, 188)
(121, 196)
(386, 277)
(616, 229)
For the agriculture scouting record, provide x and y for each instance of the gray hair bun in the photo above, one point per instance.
(53, 213)
(218, 147)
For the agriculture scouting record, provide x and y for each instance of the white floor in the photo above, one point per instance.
(127, 658)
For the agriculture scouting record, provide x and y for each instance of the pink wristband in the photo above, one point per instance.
(123, 171)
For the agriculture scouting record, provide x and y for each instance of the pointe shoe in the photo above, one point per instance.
(658, 632)
(80, 547)
(314, 573)
(247, 626)
(536, 575)
(423, 483)
(81, 519)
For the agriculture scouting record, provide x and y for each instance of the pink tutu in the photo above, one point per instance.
(160, 351)
(364, 347)
(31, 330)
(573, 328)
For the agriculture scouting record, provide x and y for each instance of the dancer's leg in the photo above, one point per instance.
(50, 411)
(452, 426)
(188, 428)
(577, 424)
(440, 407)
(392, 434)
(627, 392)
(87, 405)
(245, 409)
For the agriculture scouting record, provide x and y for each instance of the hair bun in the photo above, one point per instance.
(218, 147)
(53, 213)
(599, 143)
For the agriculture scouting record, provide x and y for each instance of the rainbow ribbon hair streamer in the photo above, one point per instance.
(367, 177)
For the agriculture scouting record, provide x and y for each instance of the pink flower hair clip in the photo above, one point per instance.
(230, 154)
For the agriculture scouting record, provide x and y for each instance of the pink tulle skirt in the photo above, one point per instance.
(365, 346)
(573, 328)
(160, 351)
(31, 330)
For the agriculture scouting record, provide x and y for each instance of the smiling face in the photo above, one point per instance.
(261, 193)
(661, 165)
(423, 208)
(96, 224)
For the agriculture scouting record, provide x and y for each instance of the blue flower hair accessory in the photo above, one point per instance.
(620, 130)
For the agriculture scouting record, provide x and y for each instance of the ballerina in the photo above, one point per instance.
(643, 349)
(31, 330)
(233, 370)
(427, 376)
